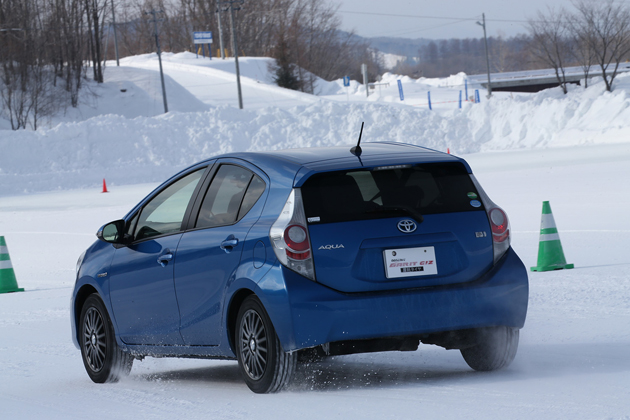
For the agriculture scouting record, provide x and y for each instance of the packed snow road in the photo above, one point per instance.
(572, 362)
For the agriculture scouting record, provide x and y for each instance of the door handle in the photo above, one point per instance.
(229, 243)
(164, 259)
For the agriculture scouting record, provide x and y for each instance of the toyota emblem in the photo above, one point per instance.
(407, 226)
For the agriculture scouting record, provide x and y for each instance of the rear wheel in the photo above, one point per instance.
(264, 365)
(495, 349)
(104, 361)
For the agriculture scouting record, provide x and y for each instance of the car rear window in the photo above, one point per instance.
(401, 190)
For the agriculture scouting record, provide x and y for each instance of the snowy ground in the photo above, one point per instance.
(572, 363)
(572, 150)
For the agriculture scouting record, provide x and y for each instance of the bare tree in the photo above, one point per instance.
(607, 23)
(500, 53)
(582, 39)
(95, 12)
(26, 88)
(550, 42)
(64, 29)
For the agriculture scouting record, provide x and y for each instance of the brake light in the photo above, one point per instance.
(499, 223)
(295, 237)
(289, 237)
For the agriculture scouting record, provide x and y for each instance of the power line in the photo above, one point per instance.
(412, 31)
(352, 12)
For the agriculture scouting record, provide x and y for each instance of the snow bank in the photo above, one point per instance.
(136, 148)
(74, 155)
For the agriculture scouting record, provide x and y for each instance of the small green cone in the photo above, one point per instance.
(8, 282)
(550, 254)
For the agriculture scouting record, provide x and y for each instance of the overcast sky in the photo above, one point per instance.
(373, 17)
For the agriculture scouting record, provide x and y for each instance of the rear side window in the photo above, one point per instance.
(402, 190)
(232, 193)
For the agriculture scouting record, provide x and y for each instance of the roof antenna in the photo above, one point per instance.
(356, 150)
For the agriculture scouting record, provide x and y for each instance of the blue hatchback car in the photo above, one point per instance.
(274, 257)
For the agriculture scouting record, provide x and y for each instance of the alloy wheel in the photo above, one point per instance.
(94, 339)
(253, 342)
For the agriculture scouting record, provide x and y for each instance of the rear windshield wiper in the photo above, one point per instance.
(415, 214)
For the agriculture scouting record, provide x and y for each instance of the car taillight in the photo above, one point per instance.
(289, 237)
(499, 223)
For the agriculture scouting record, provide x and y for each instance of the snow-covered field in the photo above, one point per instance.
(573, 361)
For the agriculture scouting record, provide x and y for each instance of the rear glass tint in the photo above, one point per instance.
(404, 190)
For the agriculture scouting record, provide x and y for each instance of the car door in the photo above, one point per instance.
(142, 292)
(209, 254)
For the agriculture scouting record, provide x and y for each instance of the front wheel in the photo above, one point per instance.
(265, 367)
(104, 361)
(495, 348)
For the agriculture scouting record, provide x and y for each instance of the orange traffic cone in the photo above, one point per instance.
(104, 186)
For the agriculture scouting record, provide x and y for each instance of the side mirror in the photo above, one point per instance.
(113, 232)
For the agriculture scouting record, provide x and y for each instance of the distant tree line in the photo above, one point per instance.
(48, 47)
(450, 56)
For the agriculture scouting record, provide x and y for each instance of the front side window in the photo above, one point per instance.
(232, 193)
(165, 212)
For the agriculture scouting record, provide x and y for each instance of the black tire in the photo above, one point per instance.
(495, 349)
(265, 367)
(104, 361)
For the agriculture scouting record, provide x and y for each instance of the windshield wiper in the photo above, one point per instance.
(415, 214)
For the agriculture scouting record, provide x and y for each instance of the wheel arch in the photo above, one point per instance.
(80, 298)
(232, 313)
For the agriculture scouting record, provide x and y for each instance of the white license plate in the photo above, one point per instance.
(410, 262)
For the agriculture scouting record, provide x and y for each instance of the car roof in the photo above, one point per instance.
(292, 167)
(339, 157)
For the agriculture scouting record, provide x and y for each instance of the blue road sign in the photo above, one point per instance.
(346, 81)
(400, 91)
(202, 37)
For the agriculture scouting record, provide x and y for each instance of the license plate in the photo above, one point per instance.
(410, 262)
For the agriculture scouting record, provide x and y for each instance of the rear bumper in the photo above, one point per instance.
(320, 315)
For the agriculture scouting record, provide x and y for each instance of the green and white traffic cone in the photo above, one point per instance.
(550, 254)
(8, 282)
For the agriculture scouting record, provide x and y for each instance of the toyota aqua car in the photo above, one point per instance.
(267, 257)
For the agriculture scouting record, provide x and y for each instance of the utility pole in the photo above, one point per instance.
(364, 72)
(235, 47)
(157, 43)
(220, 33)
(485, 38)
(115, 35)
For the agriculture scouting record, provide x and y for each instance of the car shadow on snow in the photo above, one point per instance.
(225, 373)
(391, 370)
(376, 370)
(533, 361)
(351, 372)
